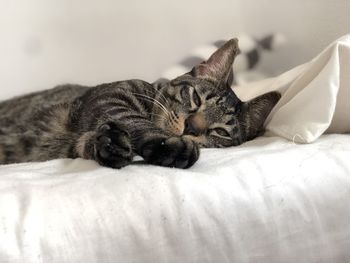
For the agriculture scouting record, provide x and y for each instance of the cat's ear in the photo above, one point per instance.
(255, 112)
(218, 66)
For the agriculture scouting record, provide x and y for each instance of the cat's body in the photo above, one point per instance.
(110, 123)
(69, 121)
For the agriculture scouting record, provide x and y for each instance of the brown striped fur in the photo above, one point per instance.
(165, 123)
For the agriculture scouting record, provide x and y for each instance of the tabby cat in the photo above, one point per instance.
(164, 123)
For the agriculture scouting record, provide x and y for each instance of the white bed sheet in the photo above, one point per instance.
(269, 200)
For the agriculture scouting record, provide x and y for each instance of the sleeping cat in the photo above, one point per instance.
(165, 123)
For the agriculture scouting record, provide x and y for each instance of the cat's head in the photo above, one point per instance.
(201, 105)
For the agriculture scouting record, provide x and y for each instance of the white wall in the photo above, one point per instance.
(310, 25)
(48, 42)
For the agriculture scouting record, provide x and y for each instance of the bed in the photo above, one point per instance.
(269, 200)
(283, 197)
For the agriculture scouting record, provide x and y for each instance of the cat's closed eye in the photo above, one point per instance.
(232, 121)
(184, 92)
(222, 132)
(210, 96)
(196, 99)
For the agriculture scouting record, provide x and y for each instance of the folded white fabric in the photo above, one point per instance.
(315, 96)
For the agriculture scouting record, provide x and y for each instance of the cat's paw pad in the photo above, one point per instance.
(113, 146)
(179, 152)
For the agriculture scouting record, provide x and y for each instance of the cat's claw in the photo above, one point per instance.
(179, 152)
(113, 146)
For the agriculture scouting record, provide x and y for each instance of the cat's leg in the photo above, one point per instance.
(12, 149)
(45, 135)
(159, 147)
(110, 145)
(114, 144)
(31, 147)
(16, 143)
(170, 151)
(116, 125)
(50, 135)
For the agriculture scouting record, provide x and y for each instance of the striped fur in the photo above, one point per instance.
(165, 123)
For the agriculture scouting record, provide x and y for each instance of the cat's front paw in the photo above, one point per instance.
(179, 152)
(113, 146)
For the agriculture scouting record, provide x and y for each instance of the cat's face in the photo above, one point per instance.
(201, 106)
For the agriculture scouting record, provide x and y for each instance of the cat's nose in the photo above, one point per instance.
(193, 126)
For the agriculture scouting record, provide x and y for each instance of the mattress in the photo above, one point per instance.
(268, 200)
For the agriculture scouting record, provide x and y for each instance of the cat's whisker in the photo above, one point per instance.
(161, 94)
(159, 104)
(156, 93)
(161, 117)
(155, 114)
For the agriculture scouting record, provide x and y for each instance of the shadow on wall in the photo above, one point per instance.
(309, 26)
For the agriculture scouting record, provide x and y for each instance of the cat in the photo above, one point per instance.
(164, 123)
